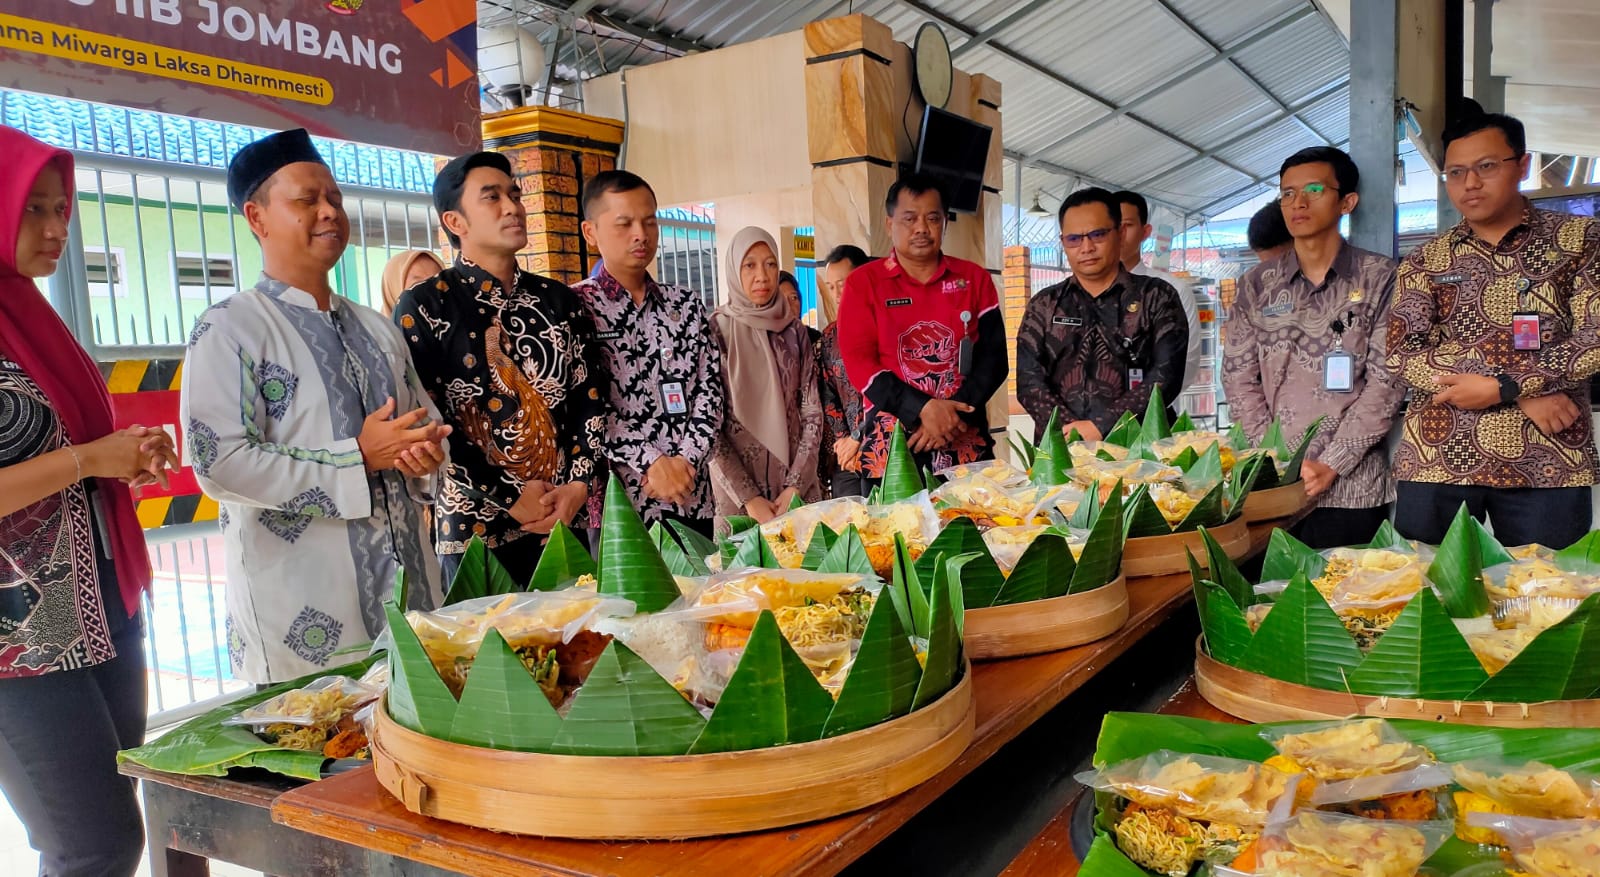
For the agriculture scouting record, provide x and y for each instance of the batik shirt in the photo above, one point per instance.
(59, 603)
(901, 340)
(1076, 352)
(841, 402)
(275, 392)
(646, 351)
(510, 371)
(1455, 297)
(1280, 332)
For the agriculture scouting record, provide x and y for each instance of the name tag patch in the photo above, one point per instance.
(897, 302)
(1067, 321)
(1450, 278)
(607, 336)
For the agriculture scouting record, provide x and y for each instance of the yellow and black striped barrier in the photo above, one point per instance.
(145, 391)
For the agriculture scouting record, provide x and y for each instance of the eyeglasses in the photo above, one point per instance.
(1074, 241)
(1487, 169)
(1312, 191)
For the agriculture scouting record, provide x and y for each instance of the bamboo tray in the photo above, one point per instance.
(1165, 555)
(671, 796)
(1258, 698)
(1274, 503)
(1047, 625)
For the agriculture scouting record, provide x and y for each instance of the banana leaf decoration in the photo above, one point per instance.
(901, 477)
(479, 575)
(1051, 460)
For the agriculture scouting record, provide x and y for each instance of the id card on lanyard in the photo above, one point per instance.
(1525, 322)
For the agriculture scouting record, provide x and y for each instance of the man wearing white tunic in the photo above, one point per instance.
(289, 396)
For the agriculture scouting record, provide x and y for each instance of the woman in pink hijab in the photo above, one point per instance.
(72, 555)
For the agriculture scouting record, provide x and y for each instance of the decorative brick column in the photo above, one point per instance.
(553, 153)
(1015, 290)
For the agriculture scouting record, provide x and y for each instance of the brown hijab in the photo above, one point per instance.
(394, 275)
(751, 363)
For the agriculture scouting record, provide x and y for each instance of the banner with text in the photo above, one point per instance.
(398, 73)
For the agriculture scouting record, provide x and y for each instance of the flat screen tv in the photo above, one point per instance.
(955, 151)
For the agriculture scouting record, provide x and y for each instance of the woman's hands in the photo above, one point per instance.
(137, 456)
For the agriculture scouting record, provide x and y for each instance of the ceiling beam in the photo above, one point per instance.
(983, 38)
(1269, 30)
(646, 31)
(1253, 184)
(1082, 177)
(1278, 116)
(1182, 21)
(968, 32)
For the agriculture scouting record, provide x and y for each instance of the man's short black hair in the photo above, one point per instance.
(1137, 200)
(1267, 228)
(1473, 119)
(916, 184)
(452, 179)
(847, 253)
(1091, 195)
(611, 181)
(1345, 172)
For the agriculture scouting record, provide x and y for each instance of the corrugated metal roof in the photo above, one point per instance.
(1209, 107)
(1303, 58)
(1061, 65)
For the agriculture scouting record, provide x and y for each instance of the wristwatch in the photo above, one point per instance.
(1509, 389)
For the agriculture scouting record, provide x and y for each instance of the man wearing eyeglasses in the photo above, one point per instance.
(1306, 340)
(1095, 345)
(1496, 329)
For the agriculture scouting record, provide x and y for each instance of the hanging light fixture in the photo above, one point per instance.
(1038, 209)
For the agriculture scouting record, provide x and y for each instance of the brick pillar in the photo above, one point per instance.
(1016, 286)
(553, 153)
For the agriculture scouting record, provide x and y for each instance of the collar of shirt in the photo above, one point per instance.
(1462, 231)
(478, 276)
(1116, 290)
(1342, 268)
(891, 264)
(293, 295)
(613, 289)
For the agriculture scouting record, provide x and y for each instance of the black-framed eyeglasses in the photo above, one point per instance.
(1074, 241)
(1487, 169)
(1312, 192)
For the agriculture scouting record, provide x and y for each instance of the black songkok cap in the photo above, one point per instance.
(258, 161)
(452, 177)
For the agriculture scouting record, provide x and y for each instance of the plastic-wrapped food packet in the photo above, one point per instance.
(1530, 788)
(1084, 452)
(1363, 767)
(1209, 787)
(1546, 847)
(320, 703)
(1313, 843)
(998, 471)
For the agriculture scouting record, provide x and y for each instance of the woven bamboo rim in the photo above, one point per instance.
(1274, 503)
(1255, 697)
(1165, 555)
(600, 797)
(1047, 625)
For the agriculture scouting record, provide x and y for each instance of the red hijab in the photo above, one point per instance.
(32, 334)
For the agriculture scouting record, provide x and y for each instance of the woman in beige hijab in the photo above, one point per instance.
(404, 271)
(767, 452)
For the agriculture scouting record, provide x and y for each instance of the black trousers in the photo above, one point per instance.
(1334, 528)
(59, 736)
(850, 484)
(1551, 516)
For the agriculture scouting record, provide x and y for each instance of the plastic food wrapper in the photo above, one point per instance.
(998, 471)
(737, 597)
(1130, 472)
(1546, 847)
(1539, 613)
(1176, 501)
(986, 502)
(320, 703)
(1346, 749)
(451, 636)
(1532, 789)
(1536, 577)
(1169, 448)
(914, 519)
(1008, 544)
(1086, 452)
(789, 534)
(1312, 843)
(669, 642)
(1207, 787)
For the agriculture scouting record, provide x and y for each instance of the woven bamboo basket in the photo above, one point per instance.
(596, 797)
(1258, 698)
(1274, 503)
(1047, 625)
(1165, 555)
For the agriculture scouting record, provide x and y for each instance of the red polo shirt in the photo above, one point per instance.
(901, 339)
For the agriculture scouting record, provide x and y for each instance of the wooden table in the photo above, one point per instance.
(1050, 852)
(1010, 695)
